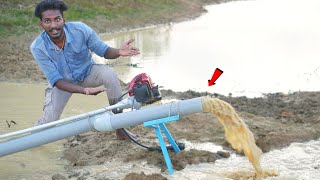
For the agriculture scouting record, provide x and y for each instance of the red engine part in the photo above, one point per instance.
(142, 78)
(143, 89)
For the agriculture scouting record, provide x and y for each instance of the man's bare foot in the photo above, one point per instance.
(123, 134)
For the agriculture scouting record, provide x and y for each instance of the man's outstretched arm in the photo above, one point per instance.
(125, 50)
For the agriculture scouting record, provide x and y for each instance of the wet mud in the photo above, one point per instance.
(269, 128)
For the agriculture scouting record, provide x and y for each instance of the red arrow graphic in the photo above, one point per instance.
(217, 73)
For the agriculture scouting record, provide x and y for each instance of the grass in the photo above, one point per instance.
(17, 16)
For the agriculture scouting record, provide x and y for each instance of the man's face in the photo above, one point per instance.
(52, 22)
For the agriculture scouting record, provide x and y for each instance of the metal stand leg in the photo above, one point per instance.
(169, 137)
(164, 150)
(159, 125)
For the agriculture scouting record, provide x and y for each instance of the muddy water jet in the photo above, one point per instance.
(236, 132)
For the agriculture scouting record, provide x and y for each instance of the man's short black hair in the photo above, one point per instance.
(49, 5)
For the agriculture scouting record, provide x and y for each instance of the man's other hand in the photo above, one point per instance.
(94, 90)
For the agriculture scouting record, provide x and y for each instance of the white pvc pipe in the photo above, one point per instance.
(101, 122)
(43, 137)
(137, 117)
(126, 103)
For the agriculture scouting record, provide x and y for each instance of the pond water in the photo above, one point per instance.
(298, 161)
(22, 103)
(261, 46)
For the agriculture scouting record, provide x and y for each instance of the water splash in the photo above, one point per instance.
(237, 133)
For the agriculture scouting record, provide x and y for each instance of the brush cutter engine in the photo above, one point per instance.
(143, 89)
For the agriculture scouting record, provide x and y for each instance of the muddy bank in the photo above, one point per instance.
(276, 120)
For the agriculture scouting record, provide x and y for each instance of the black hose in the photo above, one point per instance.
(157, 148)
(120, 98)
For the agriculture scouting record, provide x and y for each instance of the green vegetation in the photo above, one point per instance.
(17, 16)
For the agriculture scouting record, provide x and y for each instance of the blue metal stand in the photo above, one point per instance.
(159, 125)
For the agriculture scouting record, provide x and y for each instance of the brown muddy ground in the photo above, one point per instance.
(276, 120)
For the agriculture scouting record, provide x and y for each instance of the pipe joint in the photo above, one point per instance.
(102, 122)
